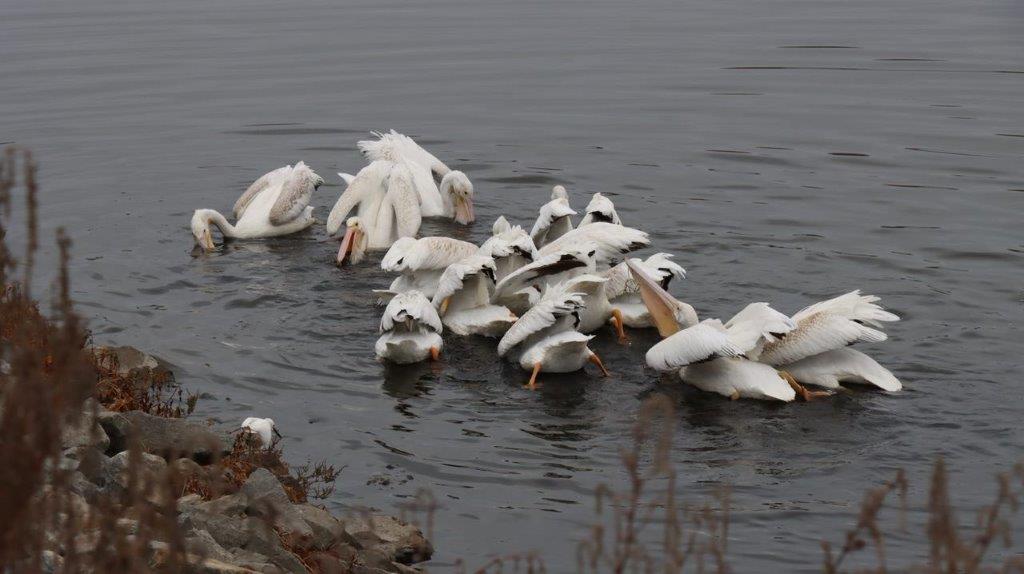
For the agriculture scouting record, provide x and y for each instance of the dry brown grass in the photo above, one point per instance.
(149, 390)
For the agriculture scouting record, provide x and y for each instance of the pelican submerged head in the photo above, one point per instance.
(353, 244)
(456, 188)
(202, 221)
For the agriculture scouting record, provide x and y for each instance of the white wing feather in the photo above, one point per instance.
(829, 325)
(556, 303)
(427, 253)
(455, 275)
(600, 208)
(413, 305)
(611, 240)
(369, 181)
(549, 212)
(705, 340)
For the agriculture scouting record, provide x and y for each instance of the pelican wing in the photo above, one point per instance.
(410, 305)
(404, 200)
(501, 225)
(556, 303)
(509, 241)
(368, 182)
(264, 181)
(394, 146)
(454, 276)
(610, 240)
(549, 212)
(829, 325)
(296, 191)
(427, 253)
(547, 266)
(755, 323)
(704, 341)
(831, 368)
(600, 208)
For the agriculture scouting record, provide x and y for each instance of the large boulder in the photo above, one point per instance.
(86, 434)
(114, 474)
(268, 499)
(399, 540)
(167, 437)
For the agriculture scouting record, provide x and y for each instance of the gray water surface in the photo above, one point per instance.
(785, 150)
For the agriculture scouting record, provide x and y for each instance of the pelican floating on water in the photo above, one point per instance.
(387, 209)
(452, 197)
(410, 330)
(816, 352)
(600, 208)
(422, 261)
(554, 218)
(463, 299)
(275, 204)
(711, 355)
(546, 339)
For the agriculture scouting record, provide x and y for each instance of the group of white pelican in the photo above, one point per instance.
(544, 292)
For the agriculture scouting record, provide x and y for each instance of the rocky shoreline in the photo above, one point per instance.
(257, 526)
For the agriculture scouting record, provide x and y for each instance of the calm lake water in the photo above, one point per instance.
(785, 150)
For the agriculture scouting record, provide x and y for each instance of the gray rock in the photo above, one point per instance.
(230, 505)
(399, 540)
(327, 530)
(267, 498)
(86, 433)
(167, 437)
(130, 358)
(114, 474)
(82, 486)
(263, 540)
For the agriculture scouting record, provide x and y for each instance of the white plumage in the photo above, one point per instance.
(610, 241)
(463, 297)
(819, 341)
(828, 325)
(553, 221)
(452, 198)
(546, 339)
(410, 329)
(275, 204)
(600, 208)
(420, 262)
(262, 428)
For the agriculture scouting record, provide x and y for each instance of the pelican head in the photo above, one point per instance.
(202, 221)
(308, 171)
(353, 245)
(668, 313)
(559, 192)
(458, 190)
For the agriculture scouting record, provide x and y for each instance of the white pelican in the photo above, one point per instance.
(815, 352)
(611, 241)
(463, 299)
(275, 204)
(554, 219)
(410, 330)
(600, 208)
(388, 209)
(546, 339)
(711, 355)
(624, 294)
(262, 428)
(547, 270)
(422, 261)
(511, 248)
(597, 310)
(453, 198)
